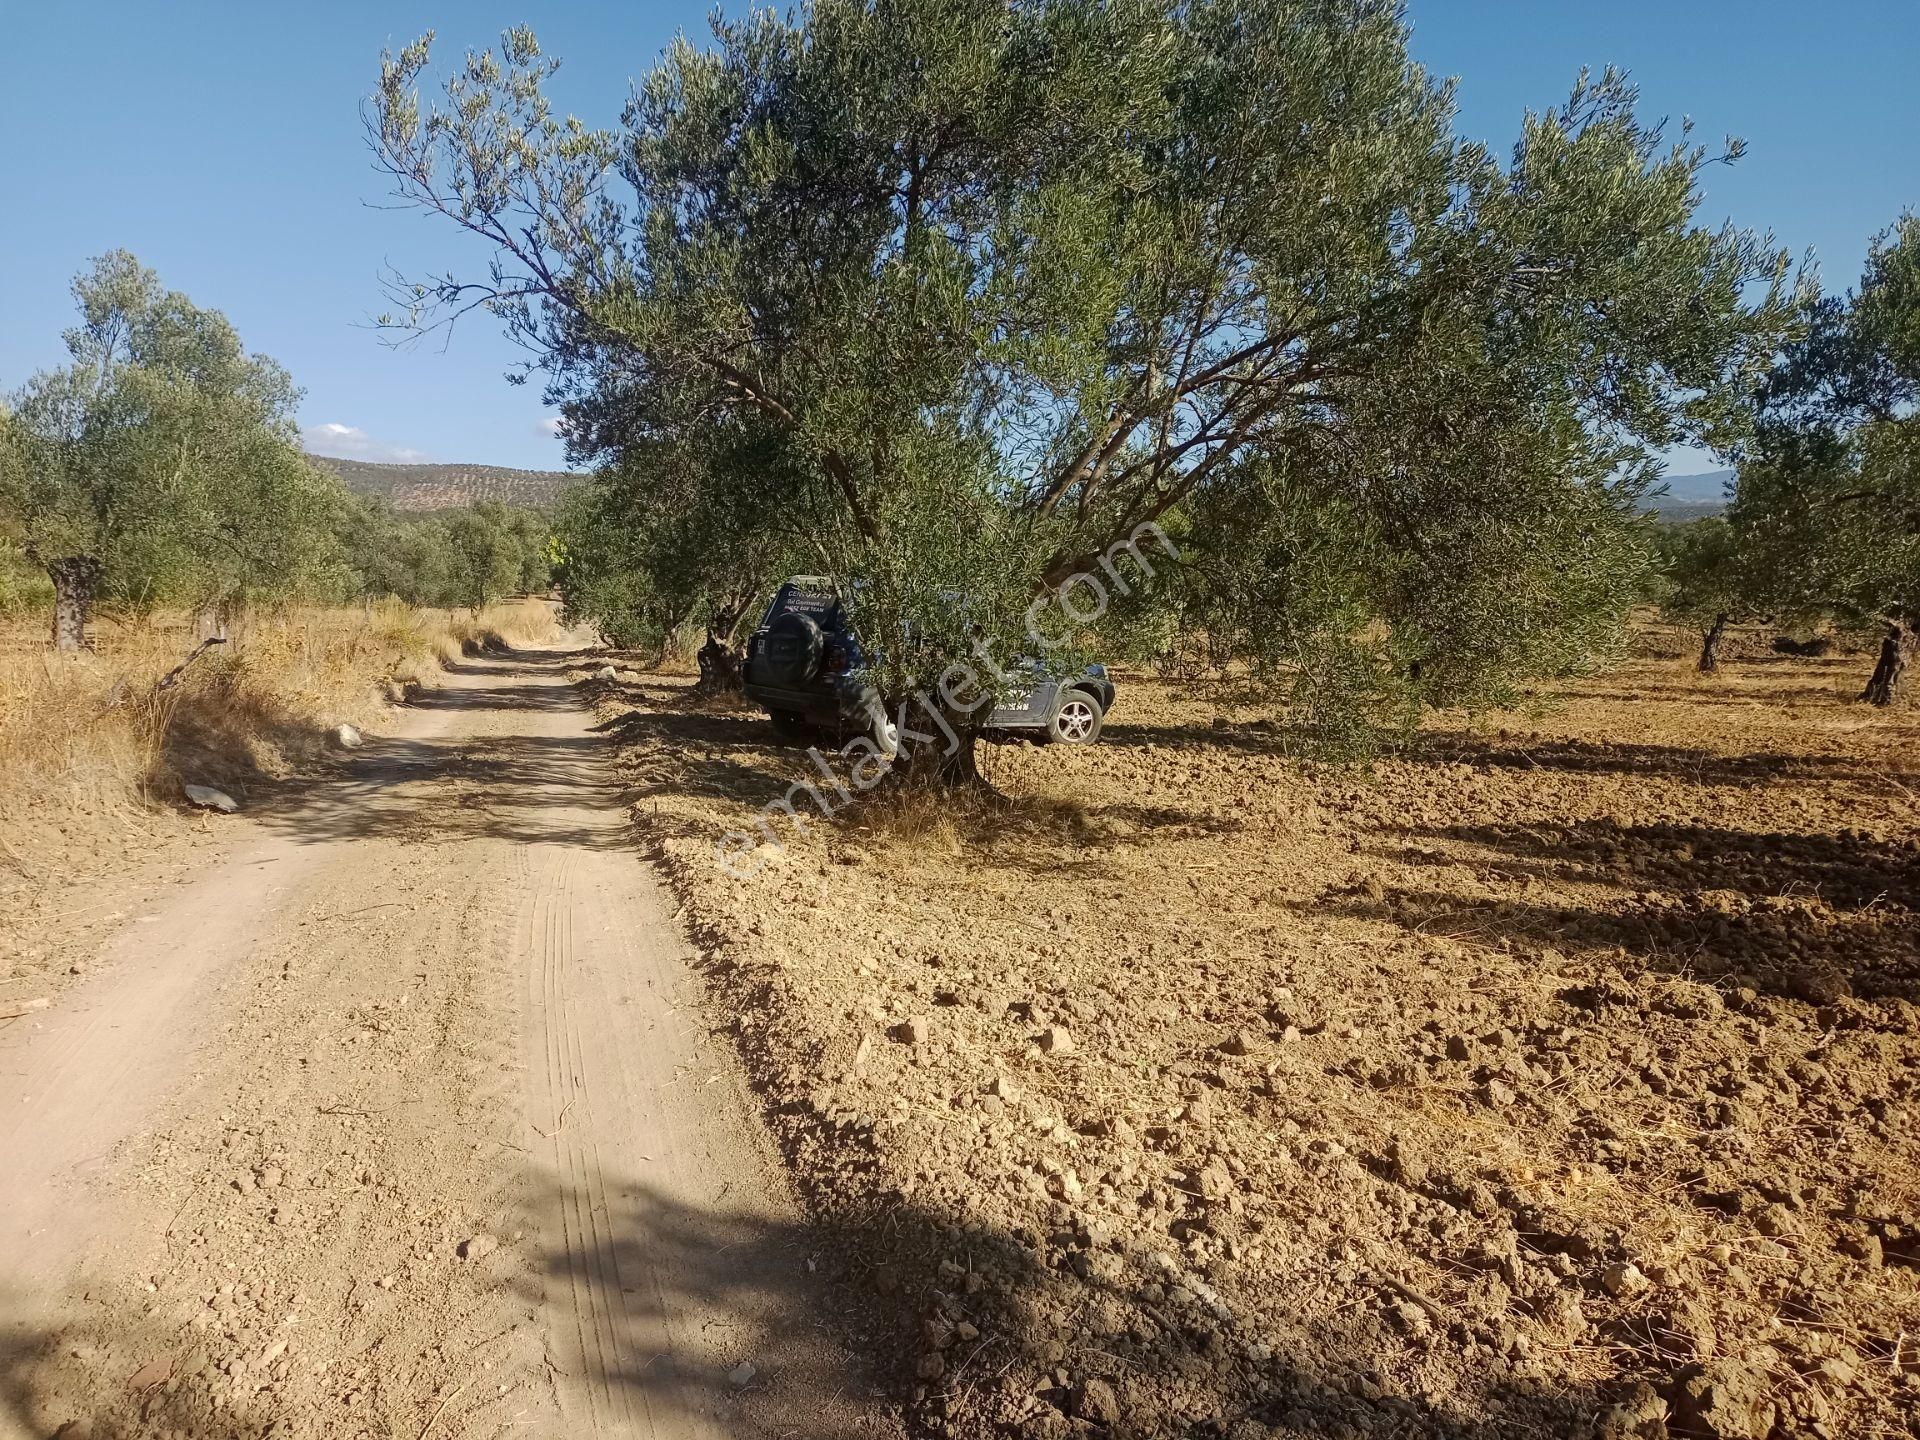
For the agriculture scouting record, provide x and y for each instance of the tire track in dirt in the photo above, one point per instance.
(678, 1255)
(596, 1293)
(422, 1139)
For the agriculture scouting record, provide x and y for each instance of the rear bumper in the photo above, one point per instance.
(816, 703)
(846, 703)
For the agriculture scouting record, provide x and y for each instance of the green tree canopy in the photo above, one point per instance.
(456, 558)
(667, 533)
(162, 463)
(1828, 503)
(1004, 285)
(485, 554)
(1707, 581)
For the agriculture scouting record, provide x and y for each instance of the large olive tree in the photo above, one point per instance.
(162, 463)
(1828, 501)
(1010, 285)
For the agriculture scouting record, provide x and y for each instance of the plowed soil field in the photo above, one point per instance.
(1554, 1077)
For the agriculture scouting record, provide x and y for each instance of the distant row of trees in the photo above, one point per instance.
(162, 466)
(1824, 522)
(456, 558)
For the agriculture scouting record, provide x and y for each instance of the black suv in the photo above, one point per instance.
(804, 664)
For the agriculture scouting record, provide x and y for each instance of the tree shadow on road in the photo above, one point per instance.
(520, 786)
(528, 695)
(108, 1375)
(525, 789)
(974, 1330)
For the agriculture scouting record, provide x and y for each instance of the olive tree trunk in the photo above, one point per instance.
(940, 764)
(212, 619)
(1897, 646)
(76, 580)
(935, 746)
(1710, 645)
(719, 660)
(719, 665)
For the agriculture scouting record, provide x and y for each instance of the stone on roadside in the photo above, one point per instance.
(741, 1375)
(478, 1247)
(1056, 1040)
(1775, 1221)
(346, 737)
(208, 798)
(1837, 1372)
(1412, 1318)
(1113, 1127)
(1642, 1415)
(1237, 1043)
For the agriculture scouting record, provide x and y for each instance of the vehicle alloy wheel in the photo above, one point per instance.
(1077, 721)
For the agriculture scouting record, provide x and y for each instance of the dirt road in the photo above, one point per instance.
(402, 1119)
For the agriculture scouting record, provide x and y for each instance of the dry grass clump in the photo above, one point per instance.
(913, 820)
(93, 734)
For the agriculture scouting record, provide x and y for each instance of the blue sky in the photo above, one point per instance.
(221, 143)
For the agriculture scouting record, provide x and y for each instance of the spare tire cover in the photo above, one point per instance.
(794, 648)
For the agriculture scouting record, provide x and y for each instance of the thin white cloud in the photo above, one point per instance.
(350, 442)
(554, 427)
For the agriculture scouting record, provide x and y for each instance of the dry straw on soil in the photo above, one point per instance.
(94, 735)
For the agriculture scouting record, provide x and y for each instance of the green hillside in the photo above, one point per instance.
(449, 487)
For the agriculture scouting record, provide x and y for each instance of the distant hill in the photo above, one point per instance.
(1678, 512)
(1691, 497)
(454, 487)
(1709, 486)
(449, 487)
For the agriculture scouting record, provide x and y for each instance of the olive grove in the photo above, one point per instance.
(1827, 510)
(964, 299)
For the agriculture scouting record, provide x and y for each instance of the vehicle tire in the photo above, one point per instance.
(790, 723)
(1076, 719)
(794, 648)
